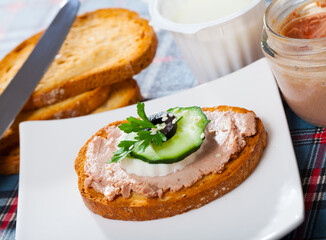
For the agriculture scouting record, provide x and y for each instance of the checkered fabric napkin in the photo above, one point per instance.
(8, 206)
(310, 148)
(21, 18)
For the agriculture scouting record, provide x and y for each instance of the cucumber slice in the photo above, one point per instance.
(187, 139)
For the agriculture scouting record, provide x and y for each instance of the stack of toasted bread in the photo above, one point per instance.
(91, 73)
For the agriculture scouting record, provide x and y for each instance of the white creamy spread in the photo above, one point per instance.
(224, 136)
(141, 168)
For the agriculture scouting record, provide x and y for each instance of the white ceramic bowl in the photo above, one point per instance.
(215, 48)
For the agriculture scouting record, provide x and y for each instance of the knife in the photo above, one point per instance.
(22, 85)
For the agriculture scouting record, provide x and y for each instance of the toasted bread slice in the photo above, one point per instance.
(9, 162)
(72, 107)
(102, 47)
(208, 188)
(122, 94)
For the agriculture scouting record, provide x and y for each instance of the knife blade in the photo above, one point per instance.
(22, 85)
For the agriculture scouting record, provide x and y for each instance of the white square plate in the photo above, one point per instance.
(267, 205)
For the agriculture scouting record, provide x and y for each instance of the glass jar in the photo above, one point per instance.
(299, 65)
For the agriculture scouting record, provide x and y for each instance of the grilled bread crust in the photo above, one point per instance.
(103, 47)
(79, 105)
(210, 187)
(9, 162)
(120, 94)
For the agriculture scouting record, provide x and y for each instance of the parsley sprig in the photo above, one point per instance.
(146, 132)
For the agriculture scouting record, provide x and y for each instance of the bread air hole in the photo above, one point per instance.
(20, 47)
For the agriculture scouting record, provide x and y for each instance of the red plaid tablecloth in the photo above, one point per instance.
(21, 18)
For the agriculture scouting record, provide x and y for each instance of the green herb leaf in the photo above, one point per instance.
(143, 144)
(141, 112)
(126, 143)
(125, 147)
(156, 138)
(146, 131)
(159, 138)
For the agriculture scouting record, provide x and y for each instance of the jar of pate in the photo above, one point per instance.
(294, 42)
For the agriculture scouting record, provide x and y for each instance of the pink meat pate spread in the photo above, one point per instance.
(224, 135)
(305, 26)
